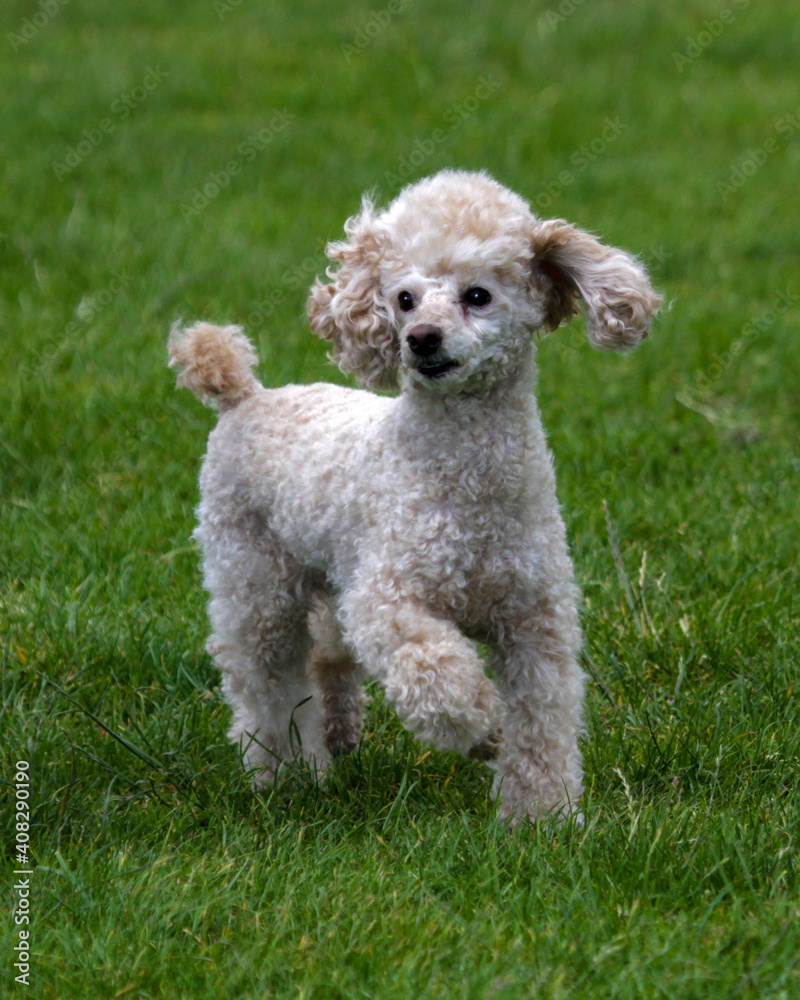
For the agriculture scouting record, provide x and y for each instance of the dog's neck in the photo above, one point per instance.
(490, 433)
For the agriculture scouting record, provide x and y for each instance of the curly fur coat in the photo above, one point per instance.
(345, 532)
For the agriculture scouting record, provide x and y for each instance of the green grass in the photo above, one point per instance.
(157, 872)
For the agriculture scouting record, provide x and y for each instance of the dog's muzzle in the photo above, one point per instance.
(425, 343)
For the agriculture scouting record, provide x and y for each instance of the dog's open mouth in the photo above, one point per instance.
(437, 371)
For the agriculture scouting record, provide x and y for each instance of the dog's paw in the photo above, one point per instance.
(488, 749)
(444, 699)
(529, 788)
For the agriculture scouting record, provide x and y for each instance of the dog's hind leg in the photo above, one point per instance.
(261, 644)
(339, 679)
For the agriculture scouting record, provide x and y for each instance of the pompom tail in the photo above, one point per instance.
(216, 362)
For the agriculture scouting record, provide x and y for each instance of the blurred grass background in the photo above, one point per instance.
(669, 129)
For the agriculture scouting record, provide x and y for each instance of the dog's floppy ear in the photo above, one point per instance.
(572, 267)
(351, 311)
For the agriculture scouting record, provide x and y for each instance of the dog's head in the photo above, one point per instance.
(447, 285)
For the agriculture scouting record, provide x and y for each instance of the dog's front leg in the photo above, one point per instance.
(429, 670)
(539, 769)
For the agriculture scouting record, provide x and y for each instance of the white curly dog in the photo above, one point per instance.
(345, 532)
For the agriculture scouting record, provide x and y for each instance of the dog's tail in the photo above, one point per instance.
(216, 363)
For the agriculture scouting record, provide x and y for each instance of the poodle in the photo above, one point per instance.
(345, 532)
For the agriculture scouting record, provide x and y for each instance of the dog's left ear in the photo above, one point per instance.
(572, 267)
(352, 311)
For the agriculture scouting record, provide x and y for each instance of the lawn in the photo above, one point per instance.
(190, 159)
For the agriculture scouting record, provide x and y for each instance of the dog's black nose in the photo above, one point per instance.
(425, 339)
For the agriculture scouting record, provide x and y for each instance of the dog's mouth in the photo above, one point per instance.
(438, 370)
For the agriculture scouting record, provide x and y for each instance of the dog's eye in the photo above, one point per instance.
(476, 297)
(406, 301)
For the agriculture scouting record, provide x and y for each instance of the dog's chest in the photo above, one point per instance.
(465, 559)
(465, 529)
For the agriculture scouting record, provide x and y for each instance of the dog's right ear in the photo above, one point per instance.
(352, 311)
